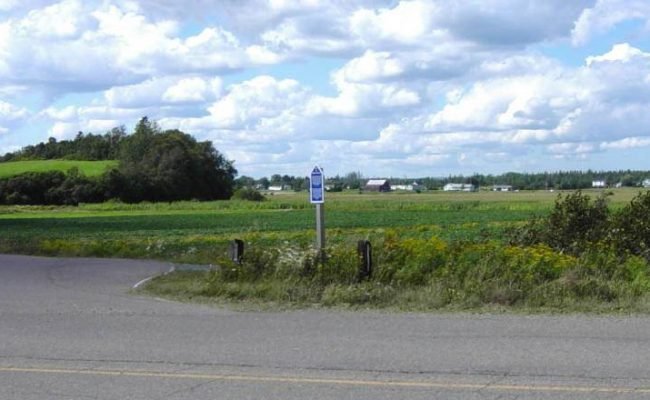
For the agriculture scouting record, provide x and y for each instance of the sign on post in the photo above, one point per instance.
(317, 186)
(317, 196)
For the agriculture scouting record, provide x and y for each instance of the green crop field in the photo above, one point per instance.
(199, 231)
(89, 168)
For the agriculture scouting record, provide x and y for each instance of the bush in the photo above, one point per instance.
(50, 188)
(248, 194)
(631, 227)
(574, 223)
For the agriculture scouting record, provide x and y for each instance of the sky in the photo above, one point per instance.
(388, 88)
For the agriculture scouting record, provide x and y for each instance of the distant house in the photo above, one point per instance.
(646, 183)
(409, 188)
(598, 184)
(459, 187)
(502, 188)
(377, 185)
(276, 188)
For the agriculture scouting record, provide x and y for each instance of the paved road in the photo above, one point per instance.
(69, 329)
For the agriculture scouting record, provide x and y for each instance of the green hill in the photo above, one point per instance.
(89, 168)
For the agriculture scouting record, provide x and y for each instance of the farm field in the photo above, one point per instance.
(199, 231)
(88, 168)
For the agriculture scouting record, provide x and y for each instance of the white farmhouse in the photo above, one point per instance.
(459, 187)
(646, 183)
(409, 188)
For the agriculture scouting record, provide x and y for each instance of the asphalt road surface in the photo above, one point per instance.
(70, 329)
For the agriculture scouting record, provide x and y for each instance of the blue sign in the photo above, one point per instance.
(317, 186)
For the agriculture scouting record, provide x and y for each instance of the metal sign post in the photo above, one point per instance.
(317, 196)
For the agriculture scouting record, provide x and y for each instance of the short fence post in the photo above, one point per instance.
(236, 251)
(365, 259)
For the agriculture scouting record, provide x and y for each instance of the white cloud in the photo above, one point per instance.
(64, 130)
(523, 102)
(406, 23)
(620, 52)
(572, 148)
(11, 117)
(61, 20)
(72, 46)
(372, 66)
(568, 111)
(193, 90)
(357, 99)
(68, 113)
(256, 102)
(497, 25)
(9, 112)
(627, 143)
(605, 14)
(165, 91)
(260, 110)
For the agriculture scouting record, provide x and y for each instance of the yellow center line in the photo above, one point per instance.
(329, 381)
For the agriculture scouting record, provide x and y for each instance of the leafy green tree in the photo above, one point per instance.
(264, 182)
(244, 182)
(168, 166)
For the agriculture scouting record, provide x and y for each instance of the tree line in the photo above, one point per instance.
(154, 165)
(561, 180)
(84, 147)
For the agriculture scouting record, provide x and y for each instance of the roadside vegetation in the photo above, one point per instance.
(581, 256)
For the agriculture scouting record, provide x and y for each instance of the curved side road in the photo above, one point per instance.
(70, 328)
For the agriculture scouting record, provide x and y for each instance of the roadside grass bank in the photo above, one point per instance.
(421, 275)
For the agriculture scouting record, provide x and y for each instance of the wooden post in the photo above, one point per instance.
(320, 227)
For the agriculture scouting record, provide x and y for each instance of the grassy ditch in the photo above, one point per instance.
(422, 274)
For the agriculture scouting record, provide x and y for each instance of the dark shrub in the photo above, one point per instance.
(248, 194)
(574, 223)
(631, 227)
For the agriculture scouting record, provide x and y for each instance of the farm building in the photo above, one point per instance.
(276, 188)
(598, 184)
(459, 187)
(409, 188)
(646, 183)
(377, 185)
(502, 188)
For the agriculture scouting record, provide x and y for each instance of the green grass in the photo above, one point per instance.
(89, 168)
(199, 231)
(348, 216)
